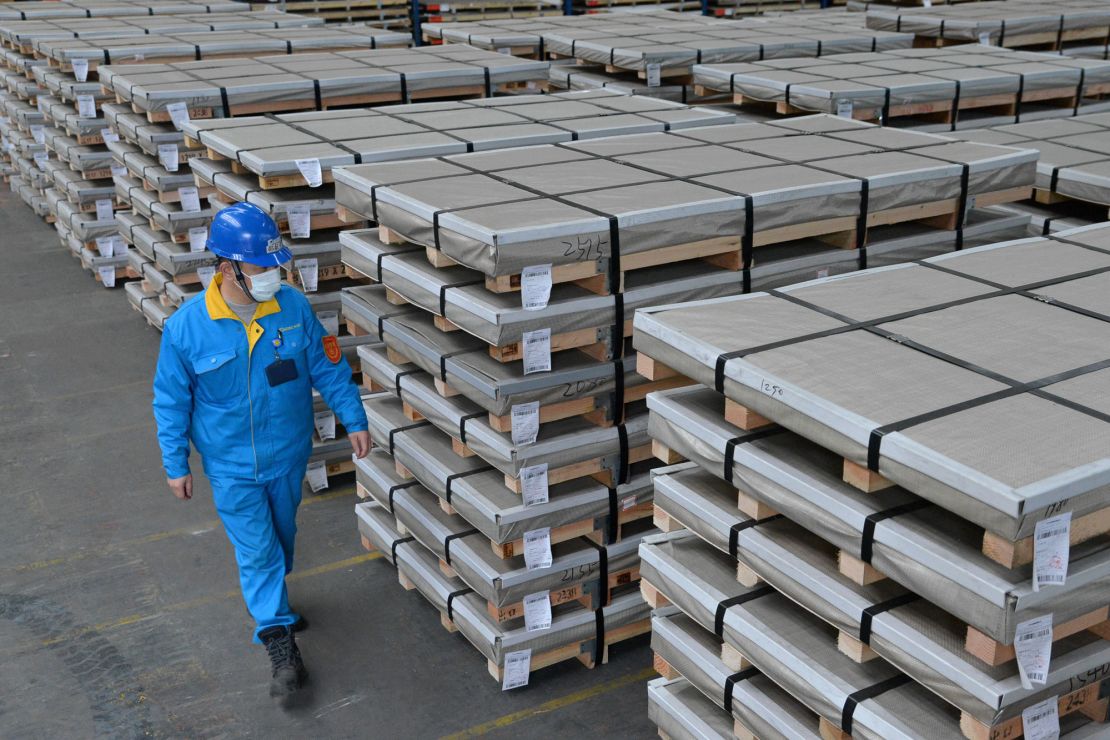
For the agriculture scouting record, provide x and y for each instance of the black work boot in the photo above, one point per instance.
(285, 660)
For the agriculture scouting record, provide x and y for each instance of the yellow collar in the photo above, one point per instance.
(218, 308)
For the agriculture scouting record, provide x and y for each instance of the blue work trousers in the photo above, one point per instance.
(261, 521)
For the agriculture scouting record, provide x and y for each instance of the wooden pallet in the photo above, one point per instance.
(1048, 197)
(1042, 40)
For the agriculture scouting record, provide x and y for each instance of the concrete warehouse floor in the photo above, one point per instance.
(119, 606)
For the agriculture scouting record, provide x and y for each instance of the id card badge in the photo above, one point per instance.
(281, 371)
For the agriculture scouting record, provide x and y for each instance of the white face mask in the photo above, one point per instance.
(265, 285)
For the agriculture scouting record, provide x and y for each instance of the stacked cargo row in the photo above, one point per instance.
(893, 518)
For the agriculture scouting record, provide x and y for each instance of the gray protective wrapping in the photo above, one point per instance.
(990, 463)
(1016, 22)
(934, 555)
(498, 212)
(680, 711)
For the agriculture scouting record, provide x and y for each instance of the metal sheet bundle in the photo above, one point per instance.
(896, 505)
(114, 8)
(986, 81)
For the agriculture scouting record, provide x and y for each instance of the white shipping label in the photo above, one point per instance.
(198, 239)
(310, 171)
(106, 245)
(518, 666)
(985, 38)
(81, 70)
(525, 422)
(628, 502)
(537, 611)
(41, 159)
(535, 287)
(823, 273)
(38, 133)
(86, 106)
(1051, 550)
(1041, 721)
(537, 548)
(309, 270)
(844, 108)
(190, 199)
(41, 105)
(109, 136)
(325, 425)
(654, 75)
(505, 50)
(206, 274)
(139, 57)
(317, 476)
(118, 170)
(927, 3)
(179, 114)
(533, 484)
(330, 320)
(300, 220)
(537, 351)
(107, 276)
(104, 210)
(1033, 645)
(167, 157)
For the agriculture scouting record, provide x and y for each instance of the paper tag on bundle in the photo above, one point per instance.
(104, 211)
(1033, 645)
(537, 351)
(41, 105)
(533, 484)
(198, 239)
(179, 114)
(109, 136)
(309, 271)
(927, 3)
(81, 69)
(1041, 721)
(40, 159)
(985, 38)
(106, 245)
(310, 171)
(206, 274)
(118, 170)
(325, 425)
(535, 287)
(505, 50)
(107, 276)
(167, 157)
(525, 420)
(537, 611)
(844, 108)
(537, 548)
(823, 273)
(1051, 550)
(38, 133)
(300, 220)
(190, 199)
(139, 56)
(330, 320)
(654, 75)
(628, 502)
(86, 106)
(518, 666)
(316, 476)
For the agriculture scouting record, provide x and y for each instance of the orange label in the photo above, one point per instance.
(331, 349)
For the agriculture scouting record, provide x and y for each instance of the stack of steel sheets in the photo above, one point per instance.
(930, 541)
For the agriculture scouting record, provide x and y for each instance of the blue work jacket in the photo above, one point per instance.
(211, 386)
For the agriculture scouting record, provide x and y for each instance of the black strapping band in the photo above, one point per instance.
(1079, 91)
(395, 545)
(397, 378)
(454, 536)
(956, 106)
(317, 96)
(616, 398)
(1018, 99)
(724, 606)
(867, 540)
(224, 102)
(734, 679)
(462, 423)
(734, 532)
(443, 293)
(853, 699)
(599, 635)
(451, 598)
(874, 610)
(398, 487)
(392, 432)
(730, 446)
(622, 465)
(196, 52)
(611, 529)
(455, 476)
(602, 572)
(486, 81)
(404, 88)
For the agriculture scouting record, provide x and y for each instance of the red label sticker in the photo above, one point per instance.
(331, 349)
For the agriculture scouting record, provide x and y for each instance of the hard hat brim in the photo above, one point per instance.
(279, 257)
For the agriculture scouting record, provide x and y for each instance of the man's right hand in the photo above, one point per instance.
(181, 487)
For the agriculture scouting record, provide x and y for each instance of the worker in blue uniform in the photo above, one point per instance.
(235, 376)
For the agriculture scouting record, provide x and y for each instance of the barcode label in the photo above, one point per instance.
(525, 419)
(518, 666)
(1051, 551)
(1033, 646)
(537, 351)
(1041, 721)
(533, 484)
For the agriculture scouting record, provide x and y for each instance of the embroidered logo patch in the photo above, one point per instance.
(331, 349)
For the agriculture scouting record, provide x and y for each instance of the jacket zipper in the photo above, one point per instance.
(250, 399)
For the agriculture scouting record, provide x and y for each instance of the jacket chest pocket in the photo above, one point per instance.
(220, 376)
(292, 343)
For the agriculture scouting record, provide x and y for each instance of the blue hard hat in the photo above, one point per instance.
(245, 233)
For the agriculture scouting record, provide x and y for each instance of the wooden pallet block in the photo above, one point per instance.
(654, 598)
(994, 653)
(652, 369)
(857, 571)
(583, 651)
(661, 452)
(665, 521)
(660, 665)
(1015, 553)
(742, 416)
(1084, 699)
